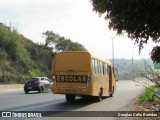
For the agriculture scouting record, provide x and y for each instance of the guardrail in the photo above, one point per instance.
(156, 94)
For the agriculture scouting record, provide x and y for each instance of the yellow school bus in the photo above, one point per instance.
(77, 73)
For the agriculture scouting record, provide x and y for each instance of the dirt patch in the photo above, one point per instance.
(145, 106)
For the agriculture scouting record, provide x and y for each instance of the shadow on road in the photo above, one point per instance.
(66, 109)
(37, 92)
(59, 104)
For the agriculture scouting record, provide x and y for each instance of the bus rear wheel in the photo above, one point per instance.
(111, 95)
(70, 98)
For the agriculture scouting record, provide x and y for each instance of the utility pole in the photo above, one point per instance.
(112, 51)
(132, 68)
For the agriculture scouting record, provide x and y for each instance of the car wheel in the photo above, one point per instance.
(26, 91)
(40, 89)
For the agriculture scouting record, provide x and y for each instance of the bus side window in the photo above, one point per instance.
(108, 69)
(96, 66)
(101, 68)
(105, 71)
(98, 71)
(93, 66)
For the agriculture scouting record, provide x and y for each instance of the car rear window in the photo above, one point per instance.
(32, 80)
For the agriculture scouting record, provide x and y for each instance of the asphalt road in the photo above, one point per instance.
(126, 94)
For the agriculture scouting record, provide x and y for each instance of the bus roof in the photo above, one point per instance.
(105, 61)
(92, 56)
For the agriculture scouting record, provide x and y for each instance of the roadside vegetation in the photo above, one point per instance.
(150, 98)
(148, 95)
(20, 58)
(148, 101)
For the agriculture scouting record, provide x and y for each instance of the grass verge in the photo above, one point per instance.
(147, 95)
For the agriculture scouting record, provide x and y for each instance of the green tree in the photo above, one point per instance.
(138, 18)
(75, 46)
(67, 45)
(155, 54)
(51, 38)
(59, 43)
(62, 44)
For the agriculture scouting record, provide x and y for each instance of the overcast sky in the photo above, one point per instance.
(72, 19)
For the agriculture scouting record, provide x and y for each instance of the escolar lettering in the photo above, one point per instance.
(71, 78)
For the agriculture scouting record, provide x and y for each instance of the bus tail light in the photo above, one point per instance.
(89, 80)
(89, 83)
(53, 78)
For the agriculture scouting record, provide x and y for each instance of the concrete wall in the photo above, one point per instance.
(11, 87)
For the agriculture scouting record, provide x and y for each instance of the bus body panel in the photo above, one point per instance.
(100, 81)
(73, 73)
(73, 61)
(72, 70)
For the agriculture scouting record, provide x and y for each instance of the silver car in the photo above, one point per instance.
(37, 84)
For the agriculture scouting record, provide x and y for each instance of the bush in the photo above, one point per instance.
(3, 55)
(147, 95)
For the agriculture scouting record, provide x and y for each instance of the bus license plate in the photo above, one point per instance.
(71, 91)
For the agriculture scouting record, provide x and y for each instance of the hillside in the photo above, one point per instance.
(20, 58)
